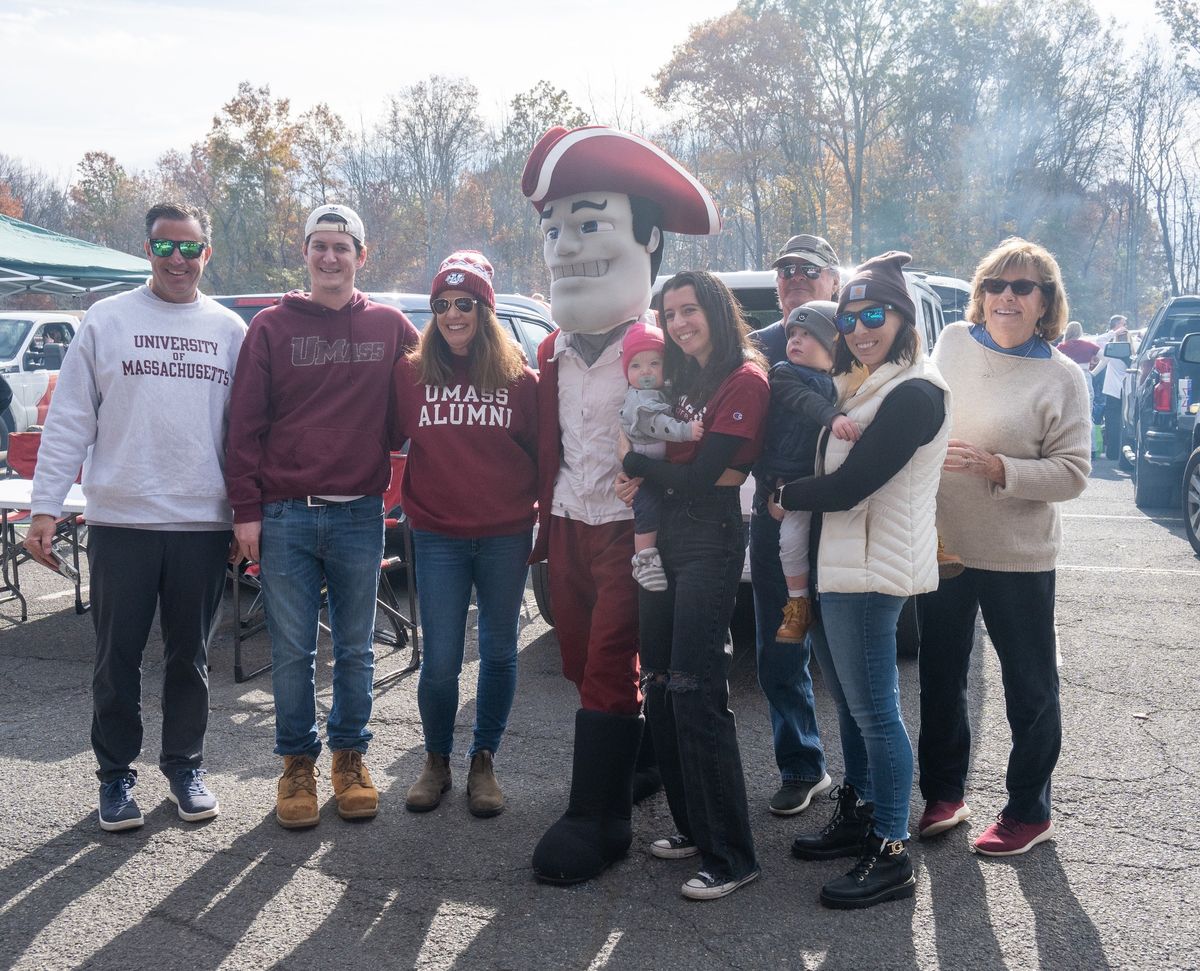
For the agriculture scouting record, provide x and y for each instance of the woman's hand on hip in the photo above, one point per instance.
(626, 488)
(964, 457)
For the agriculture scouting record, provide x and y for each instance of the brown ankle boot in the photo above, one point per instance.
(949, 564)
(426, 793)
(296, 796)
(484, 797)
(797, 619)
(356, 795)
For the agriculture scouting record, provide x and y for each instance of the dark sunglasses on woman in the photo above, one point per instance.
(1021, 288)
(441, 304)
(871, 317)
(789, 270)
(189, 249)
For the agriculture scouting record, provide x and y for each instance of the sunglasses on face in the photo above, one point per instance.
(1020, 288)
(789, 270)
(189, 249)
(871, 317)
(441, 304)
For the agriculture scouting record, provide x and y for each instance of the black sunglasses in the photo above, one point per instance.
(789, 270)
(871, 317)
(441, 304)
(190, 249)
(1021, 288)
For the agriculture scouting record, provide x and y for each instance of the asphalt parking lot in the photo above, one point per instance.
(1116, 889)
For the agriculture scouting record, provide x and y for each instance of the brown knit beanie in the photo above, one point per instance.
(881, 280)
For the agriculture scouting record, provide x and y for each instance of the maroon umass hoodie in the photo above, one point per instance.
(309, 409)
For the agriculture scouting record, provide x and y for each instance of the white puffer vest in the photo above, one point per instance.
(888, 542)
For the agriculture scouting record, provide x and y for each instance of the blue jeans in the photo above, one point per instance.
(304, 550)
(686, 651)
(855, 643)
(447, 569)
(783, 671)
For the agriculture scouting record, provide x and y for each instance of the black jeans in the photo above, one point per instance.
(134, 571)
(1112, 427)
(1018, 611)
(686, 651)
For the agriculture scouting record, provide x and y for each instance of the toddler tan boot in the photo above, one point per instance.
(797, 619)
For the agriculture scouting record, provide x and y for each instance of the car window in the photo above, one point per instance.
(928, 312)
(12, 336)
(529, 334)
(761, 305)
(1176, 328)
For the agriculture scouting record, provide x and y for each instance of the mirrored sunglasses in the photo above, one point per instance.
(190, 249)
(441, 304)
(789, 270)
(871, 317)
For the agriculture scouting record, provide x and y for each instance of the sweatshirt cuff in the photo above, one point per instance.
(251, 513)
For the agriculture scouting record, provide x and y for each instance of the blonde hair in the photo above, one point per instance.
(1021, 253)
(1074, 331)
(494, 360)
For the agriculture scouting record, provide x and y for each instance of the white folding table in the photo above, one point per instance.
(17, 494)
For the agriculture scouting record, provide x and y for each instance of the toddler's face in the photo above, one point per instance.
(646, 370)
(803, 348)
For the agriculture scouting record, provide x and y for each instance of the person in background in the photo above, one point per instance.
(805, 270)
(147, 389)
(467, 406)
(877, 547)
(1020, 440)
(1113, 370)
(1086, 354)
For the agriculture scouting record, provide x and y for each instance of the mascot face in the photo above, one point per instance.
(600, 274)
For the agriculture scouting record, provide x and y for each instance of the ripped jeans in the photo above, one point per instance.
(685, 654)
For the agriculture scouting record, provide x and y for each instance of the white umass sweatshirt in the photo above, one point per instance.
(145, 386)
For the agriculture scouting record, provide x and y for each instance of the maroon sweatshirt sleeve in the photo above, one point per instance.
(249, 418)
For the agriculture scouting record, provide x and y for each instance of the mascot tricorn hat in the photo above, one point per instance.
(596, 158)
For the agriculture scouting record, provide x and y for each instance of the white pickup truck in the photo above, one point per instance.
(32, 346)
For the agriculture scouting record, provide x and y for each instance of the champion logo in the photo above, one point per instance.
(858, 292)
(455, 278)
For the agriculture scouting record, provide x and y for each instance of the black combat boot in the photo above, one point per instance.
(883, 872)
(843, 835)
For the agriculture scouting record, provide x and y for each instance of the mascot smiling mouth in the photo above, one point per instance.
(590, 268)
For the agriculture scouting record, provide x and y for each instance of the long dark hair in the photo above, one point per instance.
(727, 330)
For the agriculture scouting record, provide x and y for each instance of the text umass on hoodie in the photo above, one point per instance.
(310, 404)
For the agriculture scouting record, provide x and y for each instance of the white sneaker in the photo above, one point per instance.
(648, 570)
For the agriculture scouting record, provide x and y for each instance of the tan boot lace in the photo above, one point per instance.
(301, 775)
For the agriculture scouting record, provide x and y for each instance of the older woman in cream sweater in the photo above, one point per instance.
(1019, 445)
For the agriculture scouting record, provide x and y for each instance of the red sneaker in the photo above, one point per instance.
(940, 816)
(1007, 837)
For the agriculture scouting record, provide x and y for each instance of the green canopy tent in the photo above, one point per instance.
(36, 260)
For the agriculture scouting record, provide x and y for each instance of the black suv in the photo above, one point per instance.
(1157, 402)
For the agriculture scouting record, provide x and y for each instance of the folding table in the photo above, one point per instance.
(18, 494)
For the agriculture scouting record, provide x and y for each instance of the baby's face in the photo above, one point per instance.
(646, 370)
(803, 348)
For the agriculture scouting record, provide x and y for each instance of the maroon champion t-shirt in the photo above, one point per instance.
(738, 407)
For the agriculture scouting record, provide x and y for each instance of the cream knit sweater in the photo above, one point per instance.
(1033, 414)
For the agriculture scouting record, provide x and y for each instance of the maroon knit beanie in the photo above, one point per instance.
(641, 336)
(881, 280)
(467, 270)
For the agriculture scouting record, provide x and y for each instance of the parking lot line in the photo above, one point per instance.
(1149, 570)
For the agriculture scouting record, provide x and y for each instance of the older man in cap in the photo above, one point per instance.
(604, 198)
(308, 463)
(805, 270)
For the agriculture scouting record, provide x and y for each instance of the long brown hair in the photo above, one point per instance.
(727, 330)
(493, 360)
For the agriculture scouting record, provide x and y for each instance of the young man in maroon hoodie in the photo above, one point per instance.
(306, 469)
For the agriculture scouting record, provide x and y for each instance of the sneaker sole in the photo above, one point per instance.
(715, 893)
(944, 825)
(672, 853)
(121, 824)
(901, 892)
(194, 817)
(1040, 838)
(816, 790)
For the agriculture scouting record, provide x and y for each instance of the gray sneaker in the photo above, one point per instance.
(118, 810)
(795, 795)
(191, 795)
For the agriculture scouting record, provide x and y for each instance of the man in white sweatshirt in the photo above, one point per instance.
(161, 360)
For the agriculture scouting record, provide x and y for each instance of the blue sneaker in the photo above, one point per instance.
(191, 795)
(117, 808)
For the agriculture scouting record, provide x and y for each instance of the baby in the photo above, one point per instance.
(646, 420)
(802, 403)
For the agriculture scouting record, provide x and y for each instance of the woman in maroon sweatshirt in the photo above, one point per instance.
(466, 403)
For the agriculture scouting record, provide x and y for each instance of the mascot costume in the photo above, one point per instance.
(604, 198)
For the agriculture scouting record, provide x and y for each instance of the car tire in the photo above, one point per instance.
(539, 574)
(908, 629)
(1191, 500)
(1152, 488)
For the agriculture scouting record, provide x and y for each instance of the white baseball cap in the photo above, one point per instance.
(346, 221)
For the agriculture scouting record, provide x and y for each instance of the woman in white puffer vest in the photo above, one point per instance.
(877, 546)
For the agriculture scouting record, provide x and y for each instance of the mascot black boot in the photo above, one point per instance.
(595, 830)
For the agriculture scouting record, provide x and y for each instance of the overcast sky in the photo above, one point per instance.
(135, 78)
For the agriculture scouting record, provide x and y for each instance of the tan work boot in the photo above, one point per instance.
(950, 565)
(426, 793)
(797, 619)
(484, 797)
(296, 798)
(356, 795)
